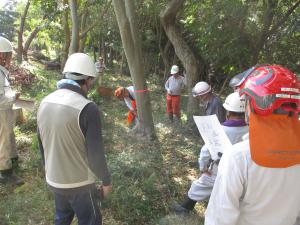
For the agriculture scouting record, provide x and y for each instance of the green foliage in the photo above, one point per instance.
(7, 19)
(227, 32)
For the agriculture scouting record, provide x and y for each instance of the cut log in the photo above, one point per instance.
(18, 115)
(25, 104)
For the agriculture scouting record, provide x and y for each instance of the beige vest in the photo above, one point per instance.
(65, 152)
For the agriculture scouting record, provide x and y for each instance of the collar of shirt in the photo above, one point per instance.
(234, 123)
(62, 82)
(70, 85)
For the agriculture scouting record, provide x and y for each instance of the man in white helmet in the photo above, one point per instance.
(100, 67)
(69, 131)
(203, 92)
(8, 150)
(174, 86)
(235, 128)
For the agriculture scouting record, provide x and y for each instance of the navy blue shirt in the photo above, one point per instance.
(215, 106)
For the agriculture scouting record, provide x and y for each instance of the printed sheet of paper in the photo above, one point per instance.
(213, 134)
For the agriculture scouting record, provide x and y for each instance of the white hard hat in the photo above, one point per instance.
(201, 88)
(174, 69)
(79, 66)
(5, 45)
(235, 103)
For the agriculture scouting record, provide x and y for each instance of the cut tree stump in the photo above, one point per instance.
(18, 115)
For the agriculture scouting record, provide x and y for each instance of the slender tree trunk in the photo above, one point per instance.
(121, 63)
(193, 66)
(166, 54)
(84, 30)
(29, 40)
(83, 25)
(20, 33)
(270, 5)
(74, 45)
(67, 36)
(126, 18)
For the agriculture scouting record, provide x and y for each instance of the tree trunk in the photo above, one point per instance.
(121, 63)
(74, 46)
(20, 34)
(166, 53)
(83, 25)
(67, 36)
(32, 35)
(269, 5)
(127, 22)
(193, 66)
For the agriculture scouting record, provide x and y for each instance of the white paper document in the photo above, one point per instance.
(213, 134)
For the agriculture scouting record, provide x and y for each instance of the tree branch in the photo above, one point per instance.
(283, 20)
(84, 33)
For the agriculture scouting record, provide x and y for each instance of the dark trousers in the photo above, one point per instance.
(83, 204)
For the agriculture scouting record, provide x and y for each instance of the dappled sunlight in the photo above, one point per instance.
(178, 180)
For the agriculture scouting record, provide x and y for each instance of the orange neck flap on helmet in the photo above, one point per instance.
(275, 140)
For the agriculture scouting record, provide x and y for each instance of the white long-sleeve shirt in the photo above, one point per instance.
(174, 85)
(100, 67)
(247, 194)
(7, 95)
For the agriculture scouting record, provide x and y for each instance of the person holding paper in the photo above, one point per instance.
(235, 128)
(213, 104)
(258, 179)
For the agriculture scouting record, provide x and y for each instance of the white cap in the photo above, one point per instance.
(201, 88)
(235, 103)
(79, 66)
(5, 45)
(174, 69)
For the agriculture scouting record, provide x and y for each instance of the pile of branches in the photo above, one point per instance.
(21, 77)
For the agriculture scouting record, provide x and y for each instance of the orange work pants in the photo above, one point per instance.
(173, 105)
(131, 116)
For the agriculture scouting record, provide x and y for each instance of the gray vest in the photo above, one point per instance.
(65, 152)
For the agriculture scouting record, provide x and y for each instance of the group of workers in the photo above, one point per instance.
(254, 182)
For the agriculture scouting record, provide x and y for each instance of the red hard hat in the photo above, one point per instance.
(270, 87)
